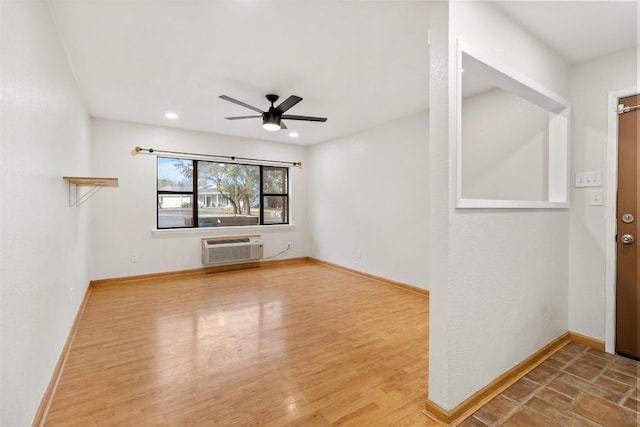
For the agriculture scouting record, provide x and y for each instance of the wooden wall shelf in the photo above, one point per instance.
(85, 181)
(95, 183)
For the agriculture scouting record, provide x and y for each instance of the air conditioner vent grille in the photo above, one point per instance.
(224, 251)
(227, 241)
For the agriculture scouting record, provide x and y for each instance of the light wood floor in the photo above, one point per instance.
(300, 344)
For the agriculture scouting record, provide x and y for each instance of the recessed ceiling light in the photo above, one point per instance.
(293, 134)
(171, 116)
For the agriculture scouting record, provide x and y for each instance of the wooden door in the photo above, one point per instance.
(628, 210)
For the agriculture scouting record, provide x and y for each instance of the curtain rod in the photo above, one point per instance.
(215, 156)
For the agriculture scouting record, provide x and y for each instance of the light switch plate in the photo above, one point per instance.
(589, 179)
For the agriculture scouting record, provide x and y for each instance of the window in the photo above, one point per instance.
(221, 195)
(275, 199)
(175, 193)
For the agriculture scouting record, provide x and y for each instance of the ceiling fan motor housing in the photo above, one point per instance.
(271, 116)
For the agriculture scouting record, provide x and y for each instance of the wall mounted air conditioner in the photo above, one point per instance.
(231, 250)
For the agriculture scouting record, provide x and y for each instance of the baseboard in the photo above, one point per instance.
(384, 280)
(588, 341)
(200, 271)
(495, 387)
(47, 398)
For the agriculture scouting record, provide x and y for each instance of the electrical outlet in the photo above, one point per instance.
(288, 244)
(596, 198)
(134, 257)
(358, 253)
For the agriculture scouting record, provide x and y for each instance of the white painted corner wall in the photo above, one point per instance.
(44, 243)
(591, 83)
(124, 218)
(505, 284)
(368, 202)
(497, 36)
(504, 148)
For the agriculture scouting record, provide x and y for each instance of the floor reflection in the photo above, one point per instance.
(215, 336)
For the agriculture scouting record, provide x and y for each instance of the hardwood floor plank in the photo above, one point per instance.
(297, 344)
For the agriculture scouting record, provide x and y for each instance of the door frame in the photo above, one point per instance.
(611, 189)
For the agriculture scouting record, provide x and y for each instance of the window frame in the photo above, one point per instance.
(195, 196)
(192, 193)
(283, 195)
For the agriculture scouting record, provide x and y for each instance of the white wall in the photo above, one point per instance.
(504, 147)
(496, 35)
(123, 218)
(505, 285)
(442, 125)
(591, 83)
(43, 242)
(508, 281)
(368, 200)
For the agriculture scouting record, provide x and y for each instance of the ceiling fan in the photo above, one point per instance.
(272, 118)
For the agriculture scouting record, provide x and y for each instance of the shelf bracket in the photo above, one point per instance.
(80, 199)
(96, 185)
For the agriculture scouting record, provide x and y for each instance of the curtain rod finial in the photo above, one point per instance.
(138, 149)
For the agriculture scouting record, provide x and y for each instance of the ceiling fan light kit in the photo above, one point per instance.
(272, 118)
(271, 127)
(271, 121)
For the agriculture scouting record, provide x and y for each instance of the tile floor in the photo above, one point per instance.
(577, 386)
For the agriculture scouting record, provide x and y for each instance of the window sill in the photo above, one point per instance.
(214, 231)
(509, 204)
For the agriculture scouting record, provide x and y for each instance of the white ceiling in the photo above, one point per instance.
(577, 30)
(359, 63)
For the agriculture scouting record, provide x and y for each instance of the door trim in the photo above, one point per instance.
(610, 217)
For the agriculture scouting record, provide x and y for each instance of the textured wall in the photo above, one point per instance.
(123, 218)
(505, 285)
(504, 147)
(43, 242)
(591, 83)
(496, 35)
(369, 200)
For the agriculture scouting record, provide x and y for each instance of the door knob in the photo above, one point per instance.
(628, 239)
(627, 218)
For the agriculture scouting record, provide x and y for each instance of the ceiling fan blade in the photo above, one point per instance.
(288, 103)
(242, 117)
(235, 101)
(306, 118)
